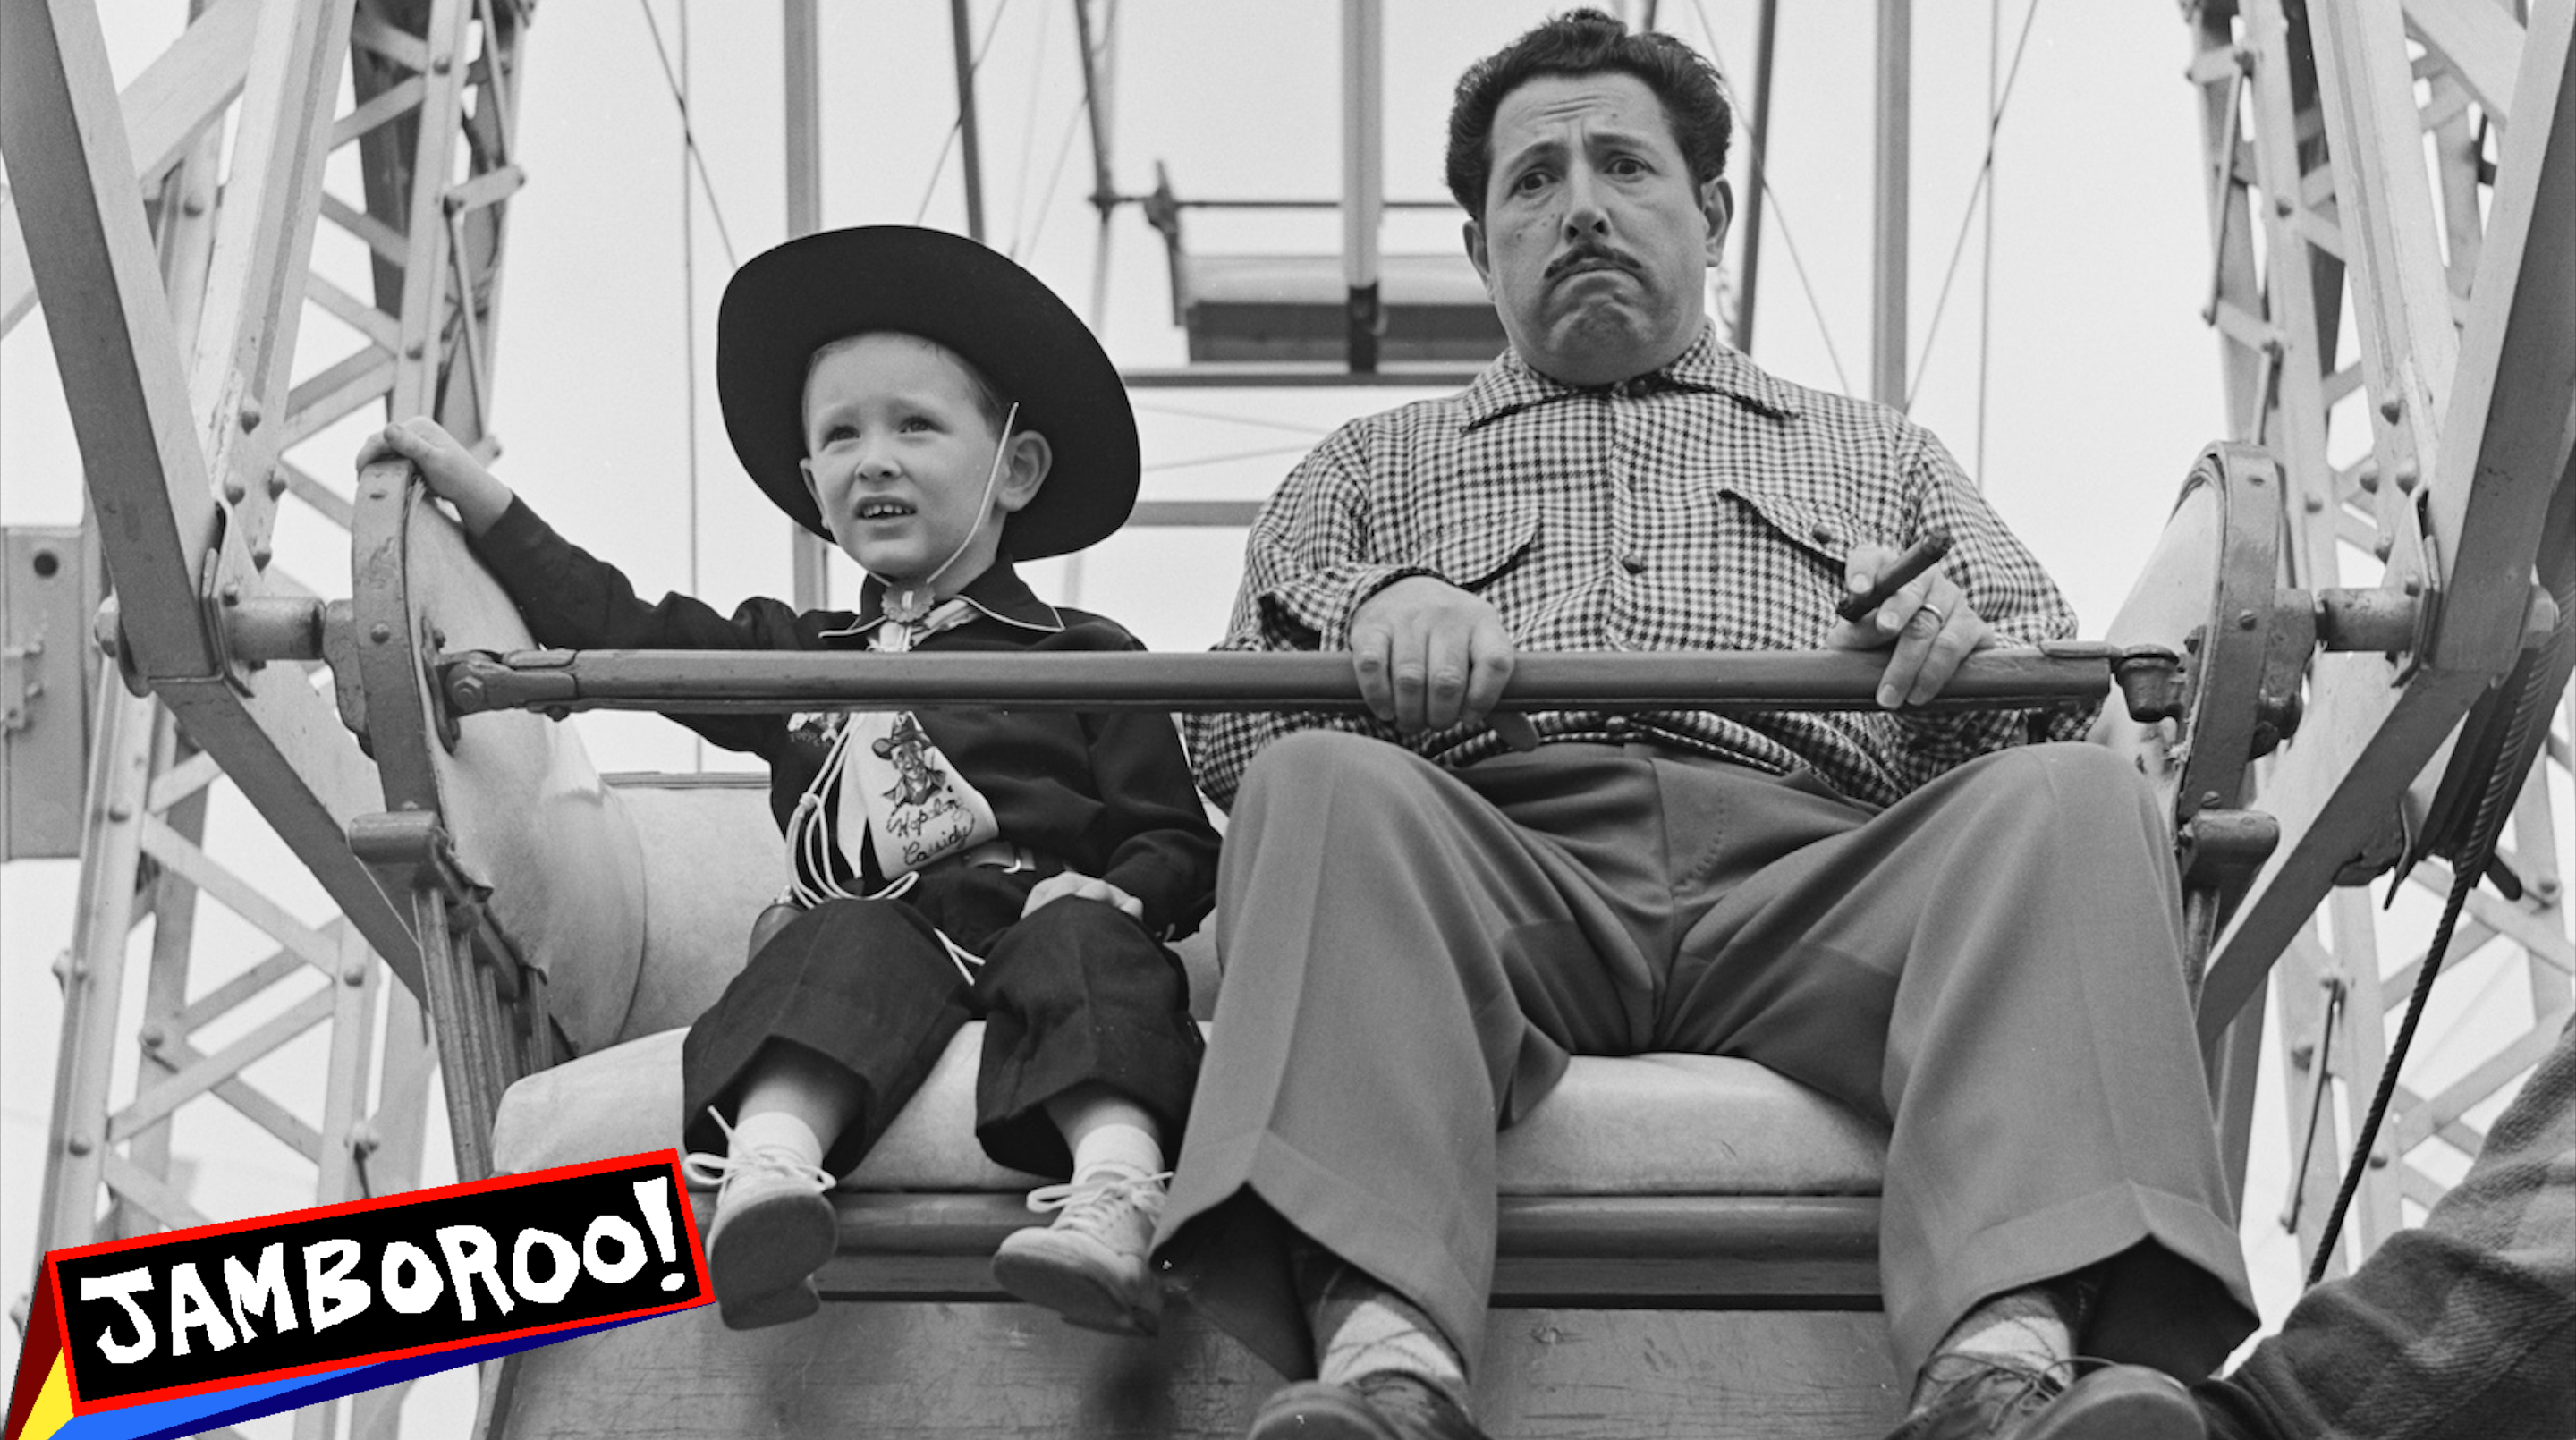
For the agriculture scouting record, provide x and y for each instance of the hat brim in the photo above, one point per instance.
(792, 300)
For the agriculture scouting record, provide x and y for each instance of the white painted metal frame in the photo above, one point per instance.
(176, 350)
(2463, 369)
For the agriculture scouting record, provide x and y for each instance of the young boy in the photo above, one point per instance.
(936, 412)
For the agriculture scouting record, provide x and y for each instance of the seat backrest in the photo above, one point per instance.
(712, 858)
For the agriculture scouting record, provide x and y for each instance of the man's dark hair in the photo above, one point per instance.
(1587, 42)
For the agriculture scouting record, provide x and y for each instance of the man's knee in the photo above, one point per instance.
(2068, 774)
(2070, 796)
(1301, 772)
(1306, 756)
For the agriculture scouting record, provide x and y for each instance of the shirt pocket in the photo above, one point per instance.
(1779, 573)
(1475, 554)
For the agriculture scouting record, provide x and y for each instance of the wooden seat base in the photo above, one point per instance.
(988, 1370)
(1610, 1252)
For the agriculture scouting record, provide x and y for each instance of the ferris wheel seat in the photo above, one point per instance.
(1650, 1125)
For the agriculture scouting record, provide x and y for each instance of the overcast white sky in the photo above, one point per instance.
(2101, 385)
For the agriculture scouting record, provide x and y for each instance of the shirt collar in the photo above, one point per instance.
(1509, 384)
(998, 594)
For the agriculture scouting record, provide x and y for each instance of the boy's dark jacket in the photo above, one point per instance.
(1109, 794)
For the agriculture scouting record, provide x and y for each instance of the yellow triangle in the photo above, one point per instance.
(53, 1407)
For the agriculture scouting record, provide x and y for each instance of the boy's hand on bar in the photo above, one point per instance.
(447, 467)
(1928, 620)
(1082, 887)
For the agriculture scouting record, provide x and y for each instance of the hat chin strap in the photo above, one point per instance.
(913, 601)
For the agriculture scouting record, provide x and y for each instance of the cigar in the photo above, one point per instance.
(1927, 552)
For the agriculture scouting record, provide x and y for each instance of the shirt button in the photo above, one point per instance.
(1633, 564)
(1823, 535)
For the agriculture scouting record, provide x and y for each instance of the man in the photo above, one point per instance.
(2465, 1326)
(1971, 939)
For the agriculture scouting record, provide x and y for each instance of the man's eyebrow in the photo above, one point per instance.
(1544, 147)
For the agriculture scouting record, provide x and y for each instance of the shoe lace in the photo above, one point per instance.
(703, 1169)
(1094, 1205)
(2004, 1386)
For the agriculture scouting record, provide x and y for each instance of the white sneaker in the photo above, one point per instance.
(773, 1229)
(1089, 1264)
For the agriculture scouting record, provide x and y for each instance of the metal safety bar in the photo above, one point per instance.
(2069, 674)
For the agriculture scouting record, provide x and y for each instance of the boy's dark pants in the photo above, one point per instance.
(1075, 993)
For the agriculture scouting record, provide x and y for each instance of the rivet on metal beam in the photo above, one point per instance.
(231, 592)
(120, 813)
(260, 555)
(2408, 477)
(2284, 206)
(277, 483)
(2390, 408)
(354, 976)
(441, 64)
(77, 1145)
(415, 350)
(380, 633)
(2312, 502)
(153, 1037)
(250, 415)
(2383, 547)
(233, 492)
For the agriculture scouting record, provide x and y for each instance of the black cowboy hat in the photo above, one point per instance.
(794, 299)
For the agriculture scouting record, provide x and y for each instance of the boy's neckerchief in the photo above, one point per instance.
(894, 634)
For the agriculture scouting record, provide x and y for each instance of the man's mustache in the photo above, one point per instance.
(1589, 255)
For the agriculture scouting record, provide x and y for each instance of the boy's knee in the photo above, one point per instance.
(1073, 920)
(1055, 949)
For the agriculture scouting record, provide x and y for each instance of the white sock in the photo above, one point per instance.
(1117, 1147)
(776, 1129)
(1362, 1327)
(2032, 1328)
(1365, 1327)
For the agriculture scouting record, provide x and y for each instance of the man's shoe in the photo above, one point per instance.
(2011, 1402)
(773, 1229)
(1385, 1405)
(1089, 1265)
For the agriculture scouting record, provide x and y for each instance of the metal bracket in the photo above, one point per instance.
(2151, 682)
(442, 715)
(412, 849)
(2428, 607)
(2224, 850)
(348, 687)
(212, 599)
(18, 684)
(2289, 640)
(107, 629)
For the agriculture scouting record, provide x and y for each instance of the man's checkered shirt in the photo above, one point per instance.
(1705, 506)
